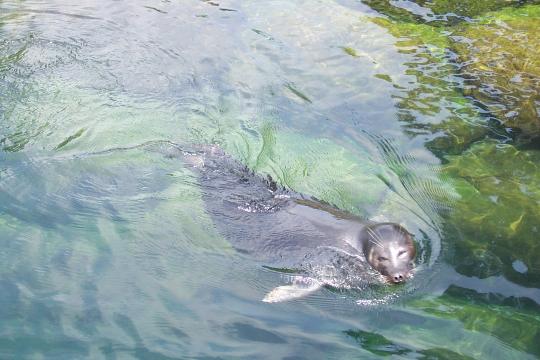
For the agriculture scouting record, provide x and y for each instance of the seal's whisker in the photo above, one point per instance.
(375, 238)
(378, 244)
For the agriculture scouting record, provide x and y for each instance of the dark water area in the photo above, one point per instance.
(423, 113)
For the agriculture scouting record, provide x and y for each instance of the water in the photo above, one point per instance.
(422, 113)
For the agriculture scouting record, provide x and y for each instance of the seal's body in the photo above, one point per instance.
(289, 231)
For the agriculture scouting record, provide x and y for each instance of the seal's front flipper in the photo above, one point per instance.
(300, 287)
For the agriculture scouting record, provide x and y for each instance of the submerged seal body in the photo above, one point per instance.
(387, 247)
(290, 231)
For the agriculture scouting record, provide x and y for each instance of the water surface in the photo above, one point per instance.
(422, 113)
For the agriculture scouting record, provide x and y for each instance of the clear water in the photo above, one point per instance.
(422, 113)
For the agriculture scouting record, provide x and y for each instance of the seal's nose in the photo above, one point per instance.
(398, 278)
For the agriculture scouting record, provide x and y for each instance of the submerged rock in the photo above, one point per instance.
(433, 106)
(381, 346)
(468, 8)
(500, 57)
(440, 12)
(489, 314)
(493, 60)
(389, 8)
(497, 213)
(454, 135)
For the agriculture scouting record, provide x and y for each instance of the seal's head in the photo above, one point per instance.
(390, 250)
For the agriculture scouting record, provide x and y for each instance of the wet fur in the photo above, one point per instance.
(287, 230)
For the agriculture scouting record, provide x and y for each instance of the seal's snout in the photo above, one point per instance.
(397, 278)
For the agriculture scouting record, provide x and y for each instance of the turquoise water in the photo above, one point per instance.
(423, 113)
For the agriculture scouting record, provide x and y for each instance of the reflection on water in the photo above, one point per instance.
(423, 113)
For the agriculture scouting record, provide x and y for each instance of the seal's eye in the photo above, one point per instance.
(382, 258)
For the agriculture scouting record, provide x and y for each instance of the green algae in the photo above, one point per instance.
(384, 77)
(441, 13)
(376, 344)
(350, 51)
(298, 93)
(518, 328)
(433, 107)
(70, 138)
(469, 8)
(10, 59)
(393, 12)
(379, 345)
(413, 34)
(454, 135)
(498, 56)
(498, 211)
(500, 53)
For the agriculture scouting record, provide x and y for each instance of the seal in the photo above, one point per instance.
(389, 249)
(294, 233)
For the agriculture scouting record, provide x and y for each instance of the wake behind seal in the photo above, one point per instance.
(297, 233)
